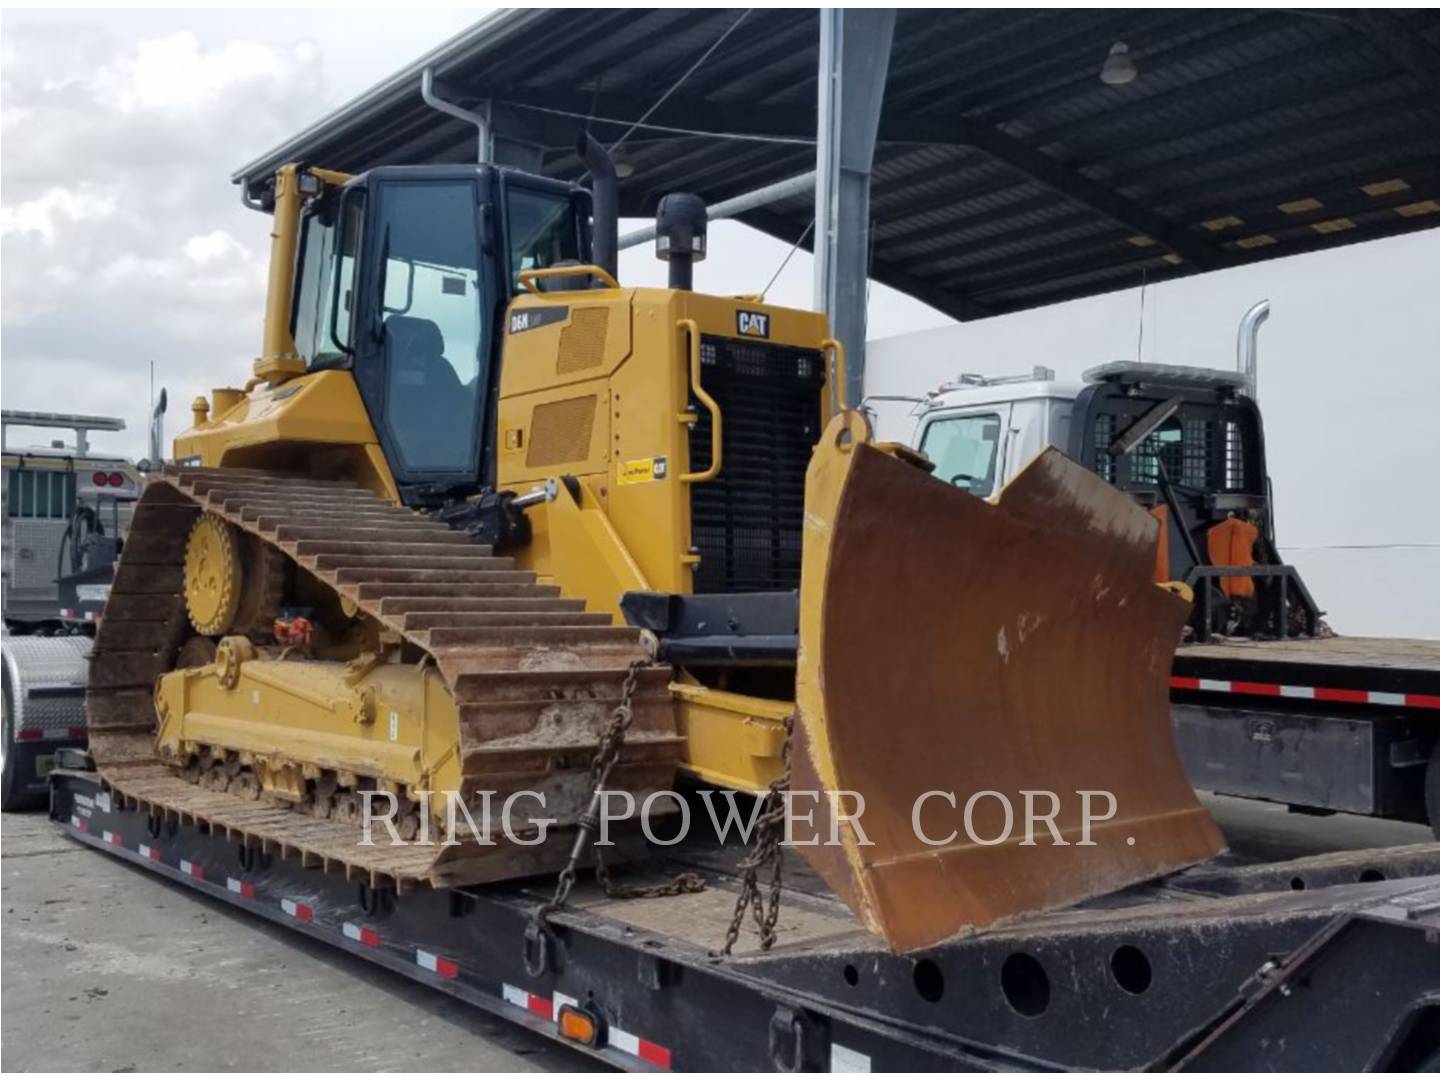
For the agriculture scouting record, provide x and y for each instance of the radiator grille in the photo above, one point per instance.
(560, 431)
(747, 523)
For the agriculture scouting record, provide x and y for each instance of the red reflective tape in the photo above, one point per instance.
(656, 1055)
(446, 969)
(362, 934)
(1268, 689)
(297, 910)
(28, 736)
(1423, 701)
(540, 1006)
(77, 732)
(243, 888)
(1182, 682)
(1358, 697)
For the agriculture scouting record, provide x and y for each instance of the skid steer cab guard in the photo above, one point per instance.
(991, 678)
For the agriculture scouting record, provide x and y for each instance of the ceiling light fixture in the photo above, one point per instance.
(1118, 68)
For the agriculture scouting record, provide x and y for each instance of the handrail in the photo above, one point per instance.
(693, 329)
(528, 277)
(837, 389)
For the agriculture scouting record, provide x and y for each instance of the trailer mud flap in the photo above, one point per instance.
(991, 679)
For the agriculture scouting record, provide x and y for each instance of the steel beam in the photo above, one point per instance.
(802, 184)
(854, 61)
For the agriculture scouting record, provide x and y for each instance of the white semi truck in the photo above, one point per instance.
(66, 506)
(1268, 702)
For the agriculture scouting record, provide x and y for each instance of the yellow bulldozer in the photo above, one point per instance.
(481, 503)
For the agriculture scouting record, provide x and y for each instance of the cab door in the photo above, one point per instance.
(425, 324)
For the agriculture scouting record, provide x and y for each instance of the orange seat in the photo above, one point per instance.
(1232, 543)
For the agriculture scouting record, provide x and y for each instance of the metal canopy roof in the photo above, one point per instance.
(1008, 175)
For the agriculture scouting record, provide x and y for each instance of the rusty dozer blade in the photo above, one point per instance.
(981, 650)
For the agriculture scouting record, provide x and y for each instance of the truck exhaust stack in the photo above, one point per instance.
(1247, 345)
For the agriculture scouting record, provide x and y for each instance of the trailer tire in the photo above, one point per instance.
(17, 777)
(1432, 790)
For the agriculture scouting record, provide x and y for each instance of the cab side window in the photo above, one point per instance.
(544, 230)
(964, 450)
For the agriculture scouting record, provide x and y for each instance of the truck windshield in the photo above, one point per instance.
(963, 450)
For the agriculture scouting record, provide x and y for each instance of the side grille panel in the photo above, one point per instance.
(582, 343)
(747, 522)
(561, 431)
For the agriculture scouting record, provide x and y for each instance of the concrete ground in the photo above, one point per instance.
(100, 962)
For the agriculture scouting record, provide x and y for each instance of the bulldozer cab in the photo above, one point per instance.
(402, 276)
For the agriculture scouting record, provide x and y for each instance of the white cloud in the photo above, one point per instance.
(175, 72)
(211, 246)
(39, 215)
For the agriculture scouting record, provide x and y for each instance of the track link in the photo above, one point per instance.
(534, 675)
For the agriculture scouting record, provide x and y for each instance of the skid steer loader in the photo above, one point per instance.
(481, 504)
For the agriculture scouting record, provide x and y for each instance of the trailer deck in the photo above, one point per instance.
(1393, 672)
(1324, 724)
(1172, 972)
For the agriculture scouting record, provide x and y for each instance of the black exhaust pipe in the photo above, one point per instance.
(681, 223)
(605, 193)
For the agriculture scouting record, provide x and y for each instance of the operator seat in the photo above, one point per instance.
(430, 415)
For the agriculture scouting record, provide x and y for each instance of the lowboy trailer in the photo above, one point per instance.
(1223, 966)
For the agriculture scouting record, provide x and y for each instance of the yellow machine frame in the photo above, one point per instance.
(599, 396)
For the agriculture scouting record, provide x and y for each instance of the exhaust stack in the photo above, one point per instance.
(1247, 344)
(680, 229)
(157, 431)
(606, 195)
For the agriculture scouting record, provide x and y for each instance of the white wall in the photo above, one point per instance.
(1349, 386)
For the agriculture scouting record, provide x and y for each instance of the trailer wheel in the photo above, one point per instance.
(1432, 790)
(17, 765)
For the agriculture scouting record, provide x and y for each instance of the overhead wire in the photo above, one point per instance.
(680, 81)
(669, 129)
(786, 261)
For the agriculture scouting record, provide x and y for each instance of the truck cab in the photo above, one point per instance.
(980, 431)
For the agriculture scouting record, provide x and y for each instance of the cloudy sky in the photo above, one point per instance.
(124, 243)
